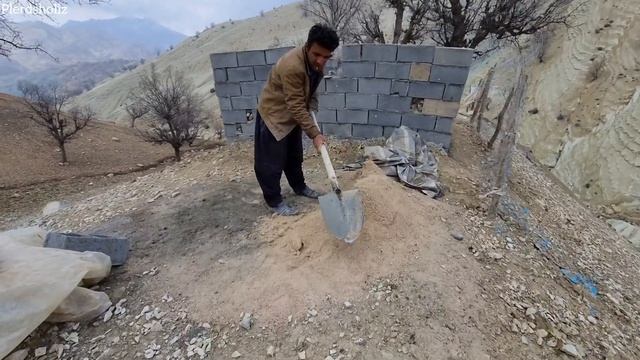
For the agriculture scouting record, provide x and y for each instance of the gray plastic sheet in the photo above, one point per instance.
(407, 157)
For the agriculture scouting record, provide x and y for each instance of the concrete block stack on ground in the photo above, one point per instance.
(371, 90)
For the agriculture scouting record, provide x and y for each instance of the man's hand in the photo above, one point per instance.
(318, 141)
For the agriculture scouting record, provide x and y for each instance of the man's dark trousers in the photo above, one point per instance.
(272, 157)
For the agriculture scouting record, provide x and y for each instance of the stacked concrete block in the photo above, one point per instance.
(368, 90)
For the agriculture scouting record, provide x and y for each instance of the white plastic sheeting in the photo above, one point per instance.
(35, 281)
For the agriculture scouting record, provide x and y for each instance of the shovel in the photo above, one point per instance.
(342, 211)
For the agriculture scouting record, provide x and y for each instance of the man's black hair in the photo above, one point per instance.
(324, 36)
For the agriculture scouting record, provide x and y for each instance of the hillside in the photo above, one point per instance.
(28, 154)
(582, 115)
(280, 27)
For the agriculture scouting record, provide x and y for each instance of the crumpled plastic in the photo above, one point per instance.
(35, 282)
(406, 156)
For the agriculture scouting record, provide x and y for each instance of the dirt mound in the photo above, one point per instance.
(305, 262)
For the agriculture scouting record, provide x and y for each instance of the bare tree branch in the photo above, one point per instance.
(339, 14)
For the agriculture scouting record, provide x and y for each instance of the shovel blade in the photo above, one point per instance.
(343, 214)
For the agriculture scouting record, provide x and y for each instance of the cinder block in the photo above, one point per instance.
(322, 88)
(252, 88)
(420, 72)
(453, 92)
(225, 103)
(244, 102)
(453, 56)
(223, 60)
(228, 89)
(230, 130)
(438, 138)
(361, 101)
(247, 130)
(250, 58)
(444, 125)
(426, 90)
(272, 55)
(351, 52)
(117, 248)
(400, 87)
(388, 130)
(366, 131)
(374, 86)
(440, 108)
(353, 116)
(394, 103)
(220, 75)
(419, 121)
(331, 67)
(415, 53)
(327, 116)
(379, 52)
(384, 118)
(385, 70)
(337, 85)
(338, 130)
(447, 74)
(234, 117)
(241, 74)
(331, 101)
(358, 69)
(262, 72)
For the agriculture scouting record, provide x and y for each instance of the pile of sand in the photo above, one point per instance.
(306, 263)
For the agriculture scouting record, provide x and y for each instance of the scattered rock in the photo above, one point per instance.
(348, 305)
(108, 314)
(570, 349)
(542, 333)
(524, 340)
(271, 351)
(302, 355)
(41, 351)
(531, 311)
(246, 321)
(236, 355)
(591, 319)
(496, 255)
(115, 139)
(52, 208)
(312, 313)
(360, 341)
(458, 236)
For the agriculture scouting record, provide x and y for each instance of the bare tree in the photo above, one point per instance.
(467, 23)
(11, 38)
(135, 111)
(415, 31)
(174, 110)
(45, 104)
(339, 14)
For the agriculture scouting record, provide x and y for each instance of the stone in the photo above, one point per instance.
(108, 314)
(271, 351)
(360, 341)
(41, 351)
(591, 319)
(116, 248)
(457, 236)
(495, 255)
(115, 139)
(348, 305)
(531, 311)
(542, 333)
(18, 355)
(246, 321)
(524, 340)
(570, 349)
(52, 208)
(236, 355)
(302, 355)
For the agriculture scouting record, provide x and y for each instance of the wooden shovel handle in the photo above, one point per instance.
(331, 173)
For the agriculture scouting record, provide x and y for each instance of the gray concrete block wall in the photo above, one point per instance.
(368, 90)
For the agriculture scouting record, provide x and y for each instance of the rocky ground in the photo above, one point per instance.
(212, 274)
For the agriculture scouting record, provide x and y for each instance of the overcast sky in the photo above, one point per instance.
(186, 16)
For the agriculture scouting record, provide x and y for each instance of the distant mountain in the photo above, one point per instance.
(107, 44)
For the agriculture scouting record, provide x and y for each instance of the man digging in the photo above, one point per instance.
(284, 112)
